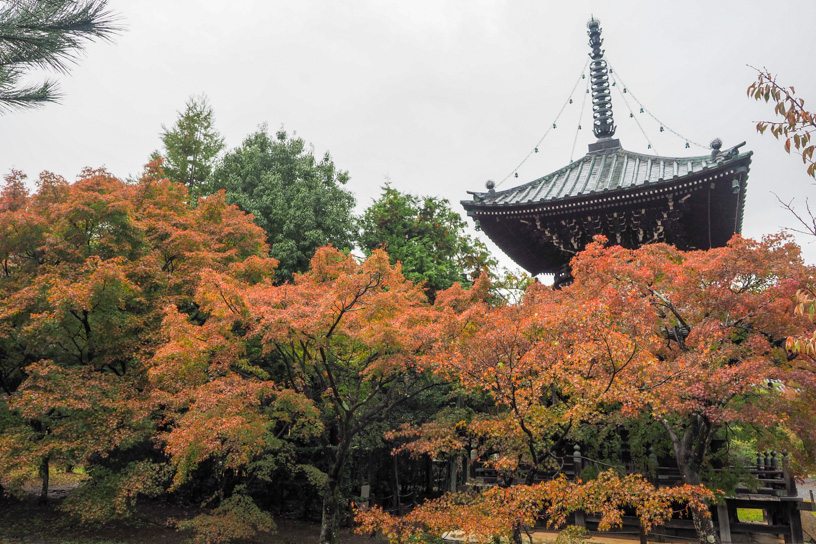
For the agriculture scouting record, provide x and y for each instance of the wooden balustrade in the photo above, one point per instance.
(768, 485)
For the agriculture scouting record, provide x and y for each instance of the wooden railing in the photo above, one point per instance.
(767, 485)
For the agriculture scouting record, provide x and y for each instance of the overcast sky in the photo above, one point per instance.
(437, 96)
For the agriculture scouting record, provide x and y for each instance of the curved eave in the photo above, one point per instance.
(501, 220)
(496, 203)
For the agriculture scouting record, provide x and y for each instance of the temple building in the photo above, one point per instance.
(631, 198)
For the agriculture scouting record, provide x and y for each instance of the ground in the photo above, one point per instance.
(27, 522)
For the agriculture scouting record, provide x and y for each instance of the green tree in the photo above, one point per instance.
(37, 34)
(299, 201)
(426, 236)
(192, 145)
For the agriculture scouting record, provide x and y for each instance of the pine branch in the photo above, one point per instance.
(29, 96)
(52, 34)
(49, 34)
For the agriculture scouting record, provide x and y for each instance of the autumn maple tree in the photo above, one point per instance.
(152, 343)
(724, 317)
(87, 271)
(550, 364)
(320, 359)
(694, 341)
(348, 336)
(224, 420)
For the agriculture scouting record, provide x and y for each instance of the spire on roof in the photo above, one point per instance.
(604, 125)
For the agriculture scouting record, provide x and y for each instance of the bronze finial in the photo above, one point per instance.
(604, 124)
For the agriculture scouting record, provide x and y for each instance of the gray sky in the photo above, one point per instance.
(437, 96)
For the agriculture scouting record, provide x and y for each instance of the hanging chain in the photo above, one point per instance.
(580, 117)
(661, 123)
(633, 116)
(549, 129)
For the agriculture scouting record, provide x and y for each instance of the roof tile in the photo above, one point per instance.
(596, 172)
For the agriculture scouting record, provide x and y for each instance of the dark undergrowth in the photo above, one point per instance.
(27, 522)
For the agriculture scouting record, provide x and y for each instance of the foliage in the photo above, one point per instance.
(446, 434)
(689, 340)
(796, 127)
(87, 270)
(806, 306)
(112, 494)
(797, 123)
(343, 340)
(220, 411)
(348, 335)
(572, 534)
(149, 343)
(36, 34)
(426, 236)
(499, 511)
(509, 286)
(299, 201)
(236, 518)
(724, 316)
(192, 145)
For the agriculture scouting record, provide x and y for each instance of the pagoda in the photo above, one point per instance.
(631, 198)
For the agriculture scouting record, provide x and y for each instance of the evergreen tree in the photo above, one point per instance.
(427, 236)
(297, 199)
(45, 34)
(192, 145)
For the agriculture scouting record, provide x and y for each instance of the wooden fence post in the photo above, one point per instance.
(790, 481)
(580, 517)
(724, 522)
(652, 465)
(577, 462)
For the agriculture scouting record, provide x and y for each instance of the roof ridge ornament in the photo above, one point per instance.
(604, 124)
(716, 145)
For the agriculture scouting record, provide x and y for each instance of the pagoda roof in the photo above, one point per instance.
(603, 173)
(632, 198)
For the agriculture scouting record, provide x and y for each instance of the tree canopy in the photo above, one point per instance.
(192, 145)
(426, 236)
(149, 342)
(298, 200)
(87, 271)
(692, 342)
(343, 339)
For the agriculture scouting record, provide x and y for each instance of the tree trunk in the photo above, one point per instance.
(44, 474)
(703, 524)
(396, 504)
(690, 451)
(453, 474)
(331, 510)
(331, 498)
(517, 534)
(429, 476)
